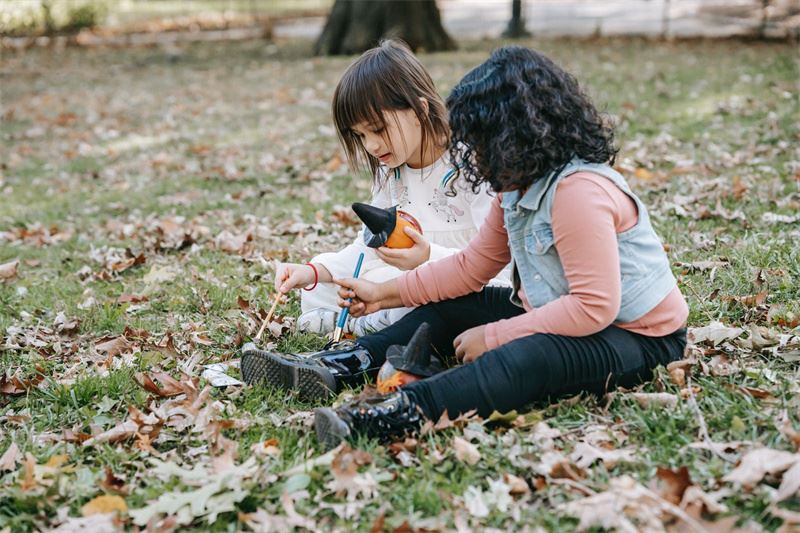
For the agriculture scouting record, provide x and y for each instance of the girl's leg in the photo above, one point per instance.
(447, 319)
(541, 366)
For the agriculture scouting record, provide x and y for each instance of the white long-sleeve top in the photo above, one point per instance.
(446, 208)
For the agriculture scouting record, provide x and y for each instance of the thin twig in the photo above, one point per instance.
(269, 315)
(700, 299)
(713, 446)
(571, 483)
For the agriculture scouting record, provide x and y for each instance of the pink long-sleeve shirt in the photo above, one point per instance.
(588, 212)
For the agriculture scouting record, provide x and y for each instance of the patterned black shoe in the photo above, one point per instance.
(314, 376)
(385, 418)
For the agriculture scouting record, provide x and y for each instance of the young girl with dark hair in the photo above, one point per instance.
(594, 304)
(391, 120)
(392, 123)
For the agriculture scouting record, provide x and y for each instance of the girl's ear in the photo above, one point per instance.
(424, 102)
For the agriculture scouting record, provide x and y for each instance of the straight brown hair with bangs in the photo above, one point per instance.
(386, 78)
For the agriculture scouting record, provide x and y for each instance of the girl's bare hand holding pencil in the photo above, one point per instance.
(365, 297)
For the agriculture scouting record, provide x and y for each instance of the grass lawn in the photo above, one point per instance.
(145, 195)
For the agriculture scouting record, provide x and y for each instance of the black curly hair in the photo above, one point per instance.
(518, 117)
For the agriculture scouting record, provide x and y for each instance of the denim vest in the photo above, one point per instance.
(646, 274)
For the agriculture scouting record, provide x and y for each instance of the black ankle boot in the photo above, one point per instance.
(385, 418)
(314, 376)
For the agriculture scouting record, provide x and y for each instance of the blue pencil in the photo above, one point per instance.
(337, 333)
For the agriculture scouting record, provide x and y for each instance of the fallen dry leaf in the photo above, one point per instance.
(131, 298)
(104, 504)
(702, 265)
(655, 399)
(758, 463)
(99, 523)
(170, 385)
(8, 271)
(10, 458)
(584, 455)
(674, 483)
(626, 506)
(516, 484)
(696, 501)
(228, 242)
(112, 483)
(346, 478)
(714, 333)
(113, 346)
(14, 385)
(465, 451)
(790, 483)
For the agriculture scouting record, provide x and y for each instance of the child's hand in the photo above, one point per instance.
(290, 276)
(470, 345)
(407, 258)
(367, 297)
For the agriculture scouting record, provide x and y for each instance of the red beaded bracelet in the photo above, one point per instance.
(316, 278)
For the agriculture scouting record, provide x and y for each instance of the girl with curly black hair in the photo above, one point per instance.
(594, 303)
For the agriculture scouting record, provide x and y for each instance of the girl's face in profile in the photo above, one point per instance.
(397, 141)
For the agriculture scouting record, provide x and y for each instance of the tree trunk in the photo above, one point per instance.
(516, 26)
(357, 25)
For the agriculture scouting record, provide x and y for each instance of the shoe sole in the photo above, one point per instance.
(330, 429)
(311, 383)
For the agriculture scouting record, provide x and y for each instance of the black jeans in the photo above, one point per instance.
(529, 369)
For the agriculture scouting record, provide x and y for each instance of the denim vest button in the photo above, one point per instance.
(537, 277)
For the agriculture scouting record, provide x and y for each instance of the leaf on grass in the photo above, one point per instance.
(584, 455)
(516, 485)
(99, 523)
(790, 483)
(655, 399)
(159, 274)
(14, 385)
(626, 506)
(774, 218)
(228, 242)
(267, 448)
(750, 300)
(702, 265)
(788, 431)
(674, 483)
(170, 386)
(790, 518)
(278, 327)
(113, 346)
(714, 333)
(121, 431)
(758, 463)
(465, 451)
(124, 264)
(475, 502)
(104, 504)
(346, 478)
(444, 422)
(10, 458)
(696, 501)
(112, 483)
(677, 375)
(261, 520)
(131, 298)
(8, 271)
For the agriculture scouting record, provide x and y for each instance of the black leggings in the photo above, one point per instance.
(526, 370)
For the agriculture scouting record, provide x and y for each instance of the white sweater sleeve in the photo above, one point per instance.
(342, 263)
